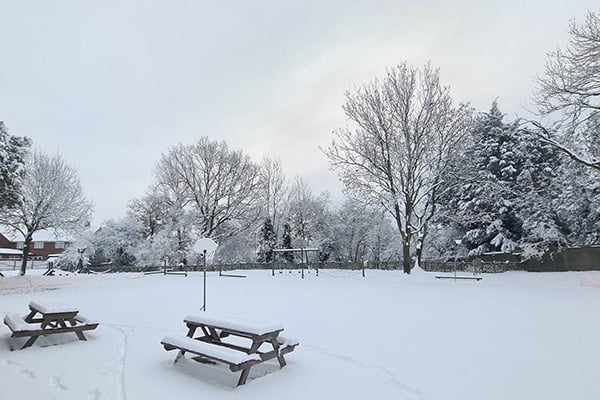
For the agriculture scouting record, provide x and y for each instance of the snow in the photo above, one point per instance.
(17, 323)
(515, 335)
(7, 251)
(210, 350)
(51, 308)
(239, 324)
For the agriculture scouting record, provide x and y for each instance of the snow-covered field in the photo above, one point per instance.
(510, 336)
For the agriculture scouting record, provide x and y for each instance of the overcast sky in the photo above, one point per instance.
(111, 85)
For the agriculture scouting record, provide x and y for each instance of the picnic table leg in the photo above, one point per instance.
(191, 331)
(244, 376)
(73, 322)
(29, 316)
(179, 355)
(30, 341)
(280, 358)
(214, 335)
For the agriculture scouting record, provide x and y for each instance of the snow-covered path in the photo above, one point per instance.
(387, 336)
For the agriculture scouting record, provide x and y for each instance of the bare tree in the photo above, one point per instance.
(150, 211)
(306, 213)
(52, 198)
(274, 189)
(217, 185)
(406, 131)
(359, 232)
(569, 94)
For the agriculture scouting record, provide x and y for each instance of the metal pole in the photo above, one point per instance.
(204, 261)
(302, 260)
(455, 257)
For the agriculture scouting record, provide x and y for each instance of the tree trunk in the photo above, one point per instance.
(406, 256)
(418, 255)
(26, 245)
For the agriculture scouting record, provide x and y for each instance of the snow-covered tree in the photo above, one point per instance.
(266, 242)
(503, 190)
(160, 248)
(150, 211)
(51, 198)
(273, 189)
(286, 242)
(483, 206)
(568, 95)
(13, 151)
(218, 186)
(355, 232)
(578, 204)
(238, 248)
(307, 214)
(116, 242)
(406, 131)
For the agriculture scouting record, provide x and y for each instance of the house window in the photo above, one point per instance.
(59, 245)
(38, 245)
(20, 245)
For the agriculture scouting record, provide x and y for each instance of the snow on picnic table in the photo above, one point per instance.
(515, 335)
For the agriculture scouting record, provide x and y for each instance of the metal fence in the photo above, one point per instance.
(7, 265)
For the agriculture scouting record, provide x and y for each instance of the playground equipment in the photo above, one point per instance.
(169, 270)
(303, 256)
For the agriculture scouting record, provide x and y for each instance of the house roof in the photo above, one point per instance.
(4, 250)
(45, 235)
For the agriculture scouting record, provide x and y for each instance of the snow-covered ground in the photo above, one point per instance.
(511, 336)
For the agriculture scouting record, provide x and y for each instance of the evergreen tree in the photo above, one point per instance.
(507, 182)
(13, 150)
(579, 204)
(266, 242)
(484, 204)
(286, 242)
(538, 186)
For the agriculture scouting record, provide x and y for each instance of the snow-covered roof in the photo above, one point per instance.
(45, 235)
(4, 250)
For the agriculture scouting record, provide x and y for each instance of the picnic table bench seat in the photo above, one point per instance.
(286, 344)
(17, 324)
(468, 278)
(236, 360)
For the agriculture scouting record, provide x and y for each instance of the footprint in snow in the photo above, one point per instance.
(55, 381)
(28, 373)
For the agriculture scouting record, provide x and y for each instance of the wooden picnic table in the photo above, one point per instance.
(238, 343)
(46, 320)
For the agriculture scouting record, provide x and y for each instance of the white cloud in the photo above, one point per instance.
(111, 85)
